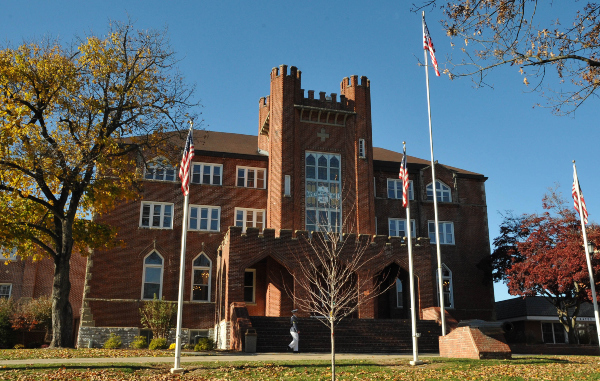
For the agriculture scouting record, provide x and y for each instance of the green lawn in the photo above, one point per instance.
(523, 368)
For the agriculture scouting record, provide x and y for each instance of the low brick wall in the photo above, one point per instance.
(99, 335)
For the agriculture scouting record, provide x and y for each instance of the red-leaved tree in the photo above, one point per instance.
(543, 254)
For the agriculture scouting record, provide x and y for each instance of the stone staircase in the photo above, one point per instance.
(352, 335)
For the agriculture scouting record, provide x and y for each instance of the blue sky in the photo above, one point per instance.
(228, 48)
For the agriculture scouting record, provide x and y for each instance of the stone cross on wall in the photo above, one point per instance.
(323, 134)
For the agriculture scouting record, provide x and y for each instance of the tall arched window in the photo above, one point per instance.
(152, 276)
(201, 274)
(443, 192)
(446, 287)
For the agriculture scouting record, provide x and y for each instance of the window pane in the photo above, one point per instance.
(170, 174)
(431, 228)
(201, 277)
(206, 174)
(156, 216)
(391, 188)
(153, 274)
(167, 217)
(249, 278)
(153, 259)
(149, 173)
(250, 178)
(248, 294)
(216, 175)
(151, 289)
(196, 173)
(146, 215)
(260, 178)
(393, 231)
(159, 173)
(214, 219)
(559, 333)
(193, 218)
(239, 218)
(241, 177)
(249, 218)
(201, 261)
(200, 293)
(310, 160)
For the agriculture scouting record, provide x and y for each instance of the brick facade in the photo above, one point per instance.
(290, 126)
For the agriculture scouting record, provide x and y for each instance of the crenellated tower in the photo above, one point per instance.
(292, 127)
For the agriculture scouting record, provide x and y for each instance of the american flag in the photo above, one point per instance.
(403, 175)
(428, 45)
(184, 168)
(576, 199)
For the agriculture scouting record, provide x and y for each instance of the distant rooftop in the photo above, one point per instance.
(534, 306)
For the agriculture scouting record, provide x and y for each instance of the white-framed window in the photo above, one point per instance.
(152, 276)
(207, 173)
(398, 227)
(11, 255)
(250, 218)
(446, 232)
(287, 186)
(5, 289)
(361, 148)
(250, 286)
(399, 295)
(251, 177)
(201, 275)
(442, 190)
(156, 215)
(205, 218)
(554, 333)
(394, 187)
(323, 192)
(160, 170)
(446, 287)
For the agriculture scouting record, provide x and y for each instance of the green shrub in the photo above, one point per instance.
(139, 342)
(188, 347)
(205, 344)
(113, 342)
(158, 343)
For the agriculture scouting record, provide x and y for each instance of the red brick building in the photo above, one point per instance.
(251, 197)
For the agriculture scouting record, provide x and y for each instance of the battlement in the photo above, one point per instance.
(283, 70)
(352, 81)
(287, 236)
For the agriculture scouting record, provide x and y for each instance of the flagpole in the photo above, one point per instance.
(413, 311)
(587, 253)
(184, 226)
(435, 208)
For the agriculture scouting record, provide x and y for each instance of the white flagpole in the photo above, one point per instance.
(184, 226)
(413, 311)
(435, 208)
(587, 254)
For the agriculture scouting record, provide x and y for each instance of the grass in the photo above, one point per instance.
(522, 368)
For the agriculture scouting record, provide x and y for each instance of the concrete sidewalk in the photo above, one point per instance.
(236, 356)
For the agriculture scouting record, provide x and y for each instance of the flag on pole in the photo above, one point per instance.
(184, 168)
(428, 45)
(576, 199)
(403, 175)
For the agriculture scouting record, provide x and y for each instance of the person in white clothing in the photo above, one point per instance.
(295, 332)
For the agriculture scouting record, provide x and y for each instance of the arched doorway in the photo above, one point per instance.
(267, 288)
(394, 302)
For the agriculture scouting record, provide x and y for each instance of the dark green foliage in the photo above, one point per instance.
(205, 344)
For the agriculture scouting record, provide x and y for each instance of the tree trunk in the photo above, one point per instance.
(62, 313)
(332, 351)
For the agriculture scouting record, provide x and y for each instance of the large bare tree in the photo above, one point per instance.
(334, 279)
